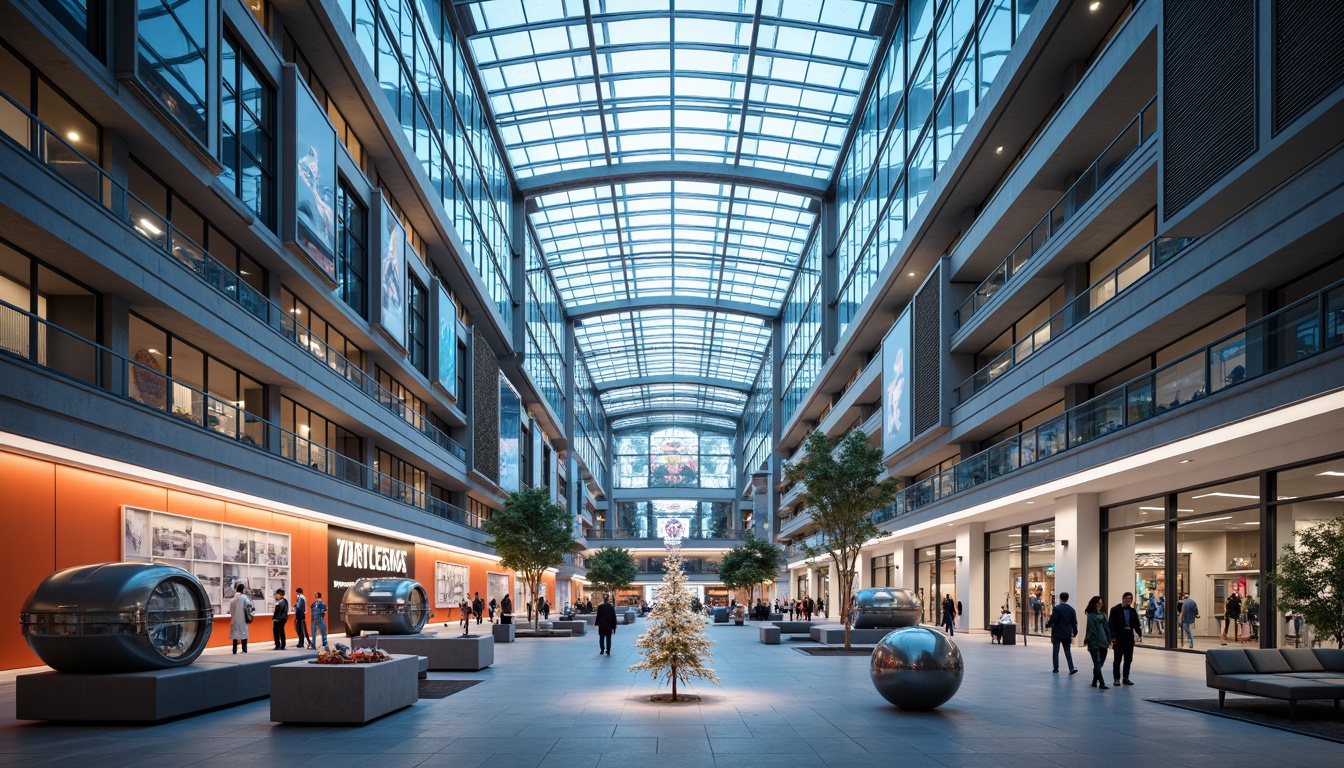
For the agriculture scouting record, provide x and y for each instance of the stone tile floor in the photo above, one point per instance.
(555, 703)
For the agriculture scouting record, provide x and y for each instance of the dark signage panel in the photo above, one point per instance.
(353, 555)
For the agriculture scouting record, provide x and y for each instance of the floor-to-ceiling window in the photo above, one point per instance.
(1029, 593)
(936, 578)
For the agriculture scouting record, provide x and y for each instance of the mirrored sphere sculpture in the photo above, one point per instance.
(917, 668)
(385, 606)
(885, 607)
(117, 617)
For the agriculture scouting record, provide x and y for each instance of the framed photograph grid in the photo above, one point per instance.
(219, 555)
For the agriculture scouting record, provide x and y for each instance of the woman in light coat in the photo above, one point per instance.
(238, 620)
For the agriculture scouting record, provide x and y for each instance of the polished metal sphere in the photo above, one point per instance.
(386, 606)
(885, 607)
(917, 668)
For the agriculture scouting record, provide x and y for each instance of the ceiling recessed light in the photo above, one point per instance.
(998, 151)
(1227, 495)
(73, 135)
(1330, 473)
(912, 274)
(1094, 7)
(147, 224)
(153, 351)
(1031, 502)
(1186, 461)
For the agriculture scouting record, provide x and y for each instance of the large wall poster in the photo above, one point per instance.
(354, 555)
(315, 187)
(510, 427)
(896, 398)
(392, 277)
(447, 362)
(219, 555)
(496, 587)
(450, 585)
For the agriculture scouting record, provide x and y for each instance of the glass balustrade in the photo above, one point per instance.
(1134, 136)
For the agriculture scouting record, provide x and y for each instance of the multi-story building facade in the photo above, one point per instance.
(1083, 288)
(276, 274)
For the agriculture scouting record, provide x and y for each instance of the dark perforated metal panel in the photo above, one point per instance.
(1308, 55)
(928, 357)
(485, 410)
(1208, 102)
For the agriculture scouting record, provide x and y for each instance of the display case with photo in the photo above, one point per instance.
(450, 584)
(218, 555)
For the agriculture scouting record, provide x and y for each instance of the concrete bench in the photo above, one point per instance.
(775, 617)
(445, 652)
(213, 681)
(346, 694)
(504, 633)
(834, 634)
(769, 634)
(576, 628)
(793, 627)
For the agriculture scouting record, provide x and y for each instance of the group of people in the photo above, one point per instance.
(1119, 630)
(802, 608)
(479, 610)
(305, 632)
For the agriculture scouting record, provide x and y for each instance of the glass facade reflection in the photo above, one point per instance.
(173, 55)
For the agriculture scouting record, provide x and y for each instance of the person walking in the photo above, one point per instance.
(465, 609)
(278, 619)
(318, 609)
(240, 608)
(1232, 618)
(506, 610)
(491, 608)
(545, 608)
(1037, 613)
(949, 615)
(1160, 614)
(1189, 614)
(1098, 639)
(478, 607)
(301, 619)
(1125, 631)
(606, 626)
(1063, 626)
(1149, 612)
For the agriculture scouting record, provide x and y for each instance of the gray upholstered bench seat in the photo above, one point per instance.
(1289, 674)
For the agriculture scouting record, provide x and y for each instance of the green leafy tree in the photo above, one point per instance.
(842, 491)
(531, 534)
(674, 645)
(1310, 578)
(753, 563)
(612, 569)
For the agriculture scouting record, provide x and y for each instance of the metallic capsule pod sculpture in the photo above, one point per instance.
(385, 606)
(117, 617)
(917, 668)
(885, 607)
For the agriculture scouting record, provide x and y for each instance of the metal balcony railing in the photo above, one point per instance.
(1111, 160)
(27, 337)
(622, 533)
(23, 129)
(1148, 258)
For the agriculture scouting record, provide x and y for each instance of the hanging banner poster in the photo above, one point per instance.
(314, 182)
(354, 555)
(896, 401)
(392, 277)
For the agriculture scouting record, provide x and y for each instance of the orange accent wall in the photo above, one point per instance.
(57, 516)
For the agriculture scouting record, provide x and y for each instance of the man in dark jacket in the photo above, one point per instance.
(478, 607)
(1125, 628)
(279, 618)
(1063, 626)
(506, 610)
(606, 626)
(301, 618)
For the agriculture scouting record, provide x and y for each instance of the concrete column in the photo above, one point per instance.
(862, 571)
(1075, 284)
(830, 278)
(1076, 394)
(1078, 547)
(116, 322)
(971, 575)
(903, 560)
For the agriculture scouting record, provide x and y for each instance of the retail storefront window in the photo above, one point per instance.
(882, 569)
(1305, 496)
(936, 578)
(1028, 593)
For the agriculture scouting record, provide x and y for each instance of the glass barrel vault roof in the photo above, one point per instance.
(673, 277)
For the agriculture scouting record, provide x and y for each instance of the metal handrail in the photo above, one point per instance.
(1152, 255)
(1302, 330)
(621, 533)
(1102, 170)
(66, 162)
(35, 340)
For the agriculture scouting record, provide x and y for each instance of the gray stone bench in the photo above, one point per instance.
(793, 627)
(769, 634)
(504, 633)
(445, 652)
(775, 617)
(346, 694)
(834, 634)
(576, 628)
(215, 680)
